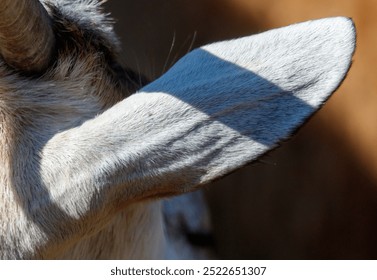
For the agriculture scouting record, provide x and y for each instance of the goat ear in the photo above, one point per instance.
(223, 105)
(219, 108)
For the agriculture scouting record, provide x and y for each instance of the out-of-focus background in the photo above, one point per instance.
(316, 196)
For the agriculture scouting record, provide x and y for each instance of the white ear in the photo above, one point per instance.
(225, 104)
(219, 108)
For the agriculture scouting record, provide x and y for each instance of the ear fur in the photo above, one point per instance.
(253, 92)
(219, 108)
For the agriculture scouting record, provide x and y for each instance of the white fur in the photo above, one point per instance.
(218, 109)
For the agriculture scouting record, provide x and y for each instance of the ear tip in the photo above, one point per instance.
(348, 22)
(340, 34)
(337, 26)
(344, 27)
(351, 26)
(348, 25)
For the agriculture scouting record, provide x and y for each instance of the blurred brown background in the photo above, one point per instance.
(316, 196)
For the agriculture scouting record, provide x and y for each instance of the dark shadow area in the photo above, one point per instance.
(155, 34)
(308, 199)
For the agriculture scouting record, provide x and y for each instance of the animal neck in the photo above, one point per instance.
(135, 233)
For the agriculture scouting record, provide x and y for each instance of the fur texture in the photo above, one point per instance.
(81, 162)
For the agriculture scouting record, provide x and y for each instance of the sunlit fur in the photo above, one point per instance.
(83, 166)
